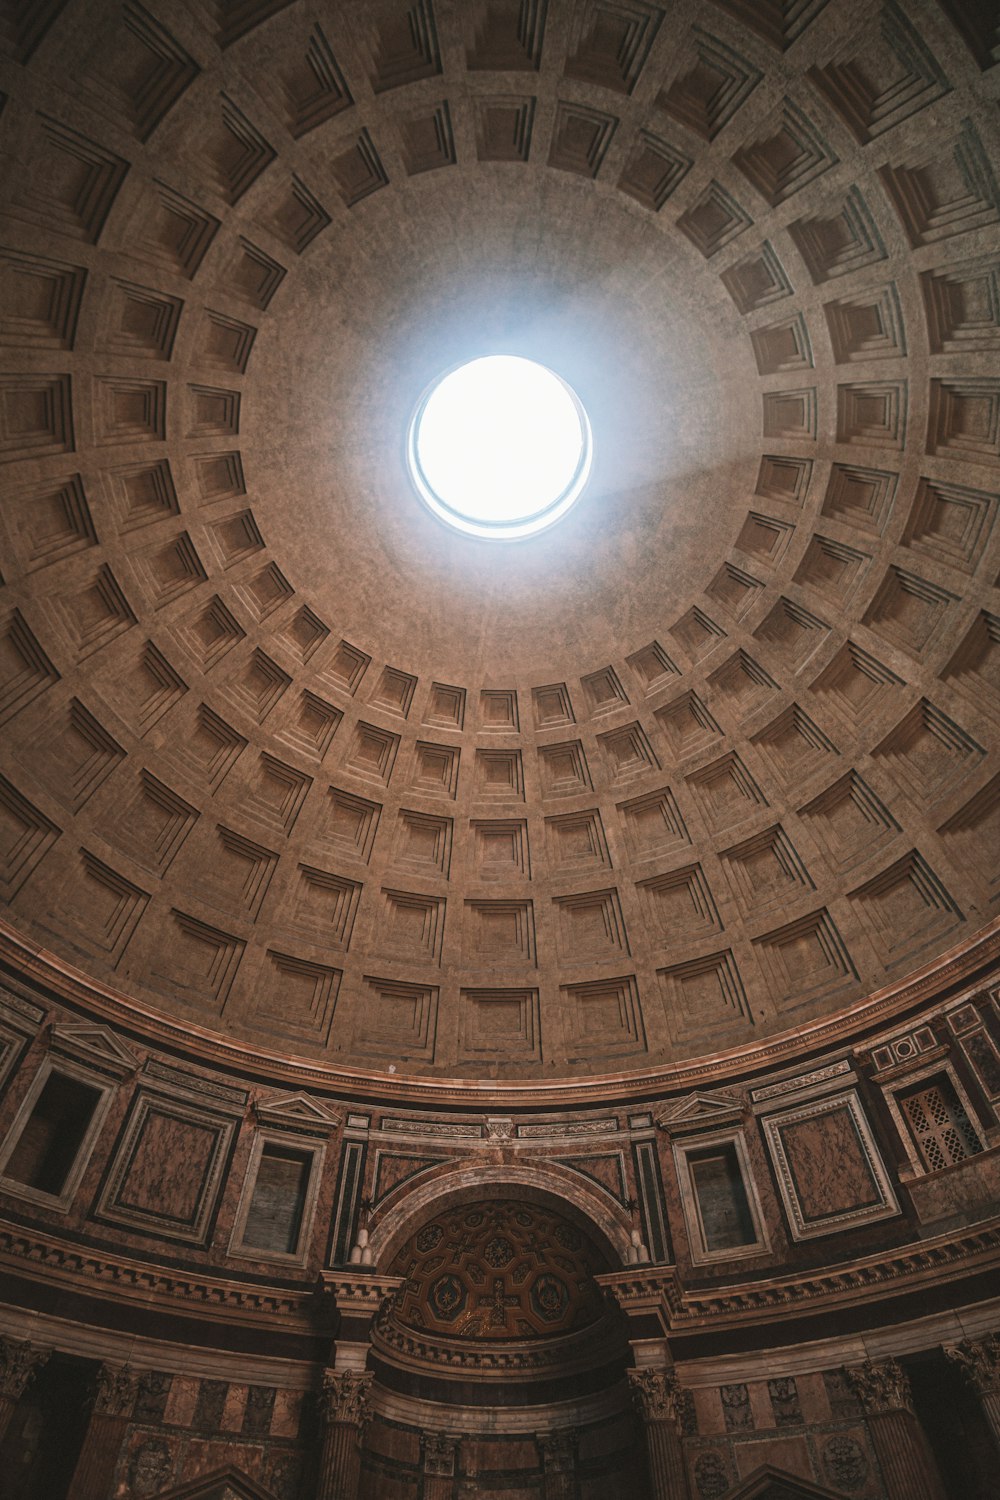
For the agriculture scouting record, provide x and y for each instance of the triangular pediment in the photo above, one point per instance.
(699, 1109)
(96, 1045)
(229, 1483)
(771, 1483)
(298, 1112)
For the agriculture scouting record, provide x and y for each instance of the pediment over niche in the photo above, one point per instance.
(699, 1109)
(297, 1112)
(96, 1045)
(229, 1483)
(771, 1483)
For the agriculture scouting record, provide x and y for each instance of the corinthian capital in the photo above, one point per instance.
(344, 1397)
(558, 1450)
(658, 1396)
(980, 1360)
(18, 1362)
(115, 1390)
(440, 1449)
(880, 1386)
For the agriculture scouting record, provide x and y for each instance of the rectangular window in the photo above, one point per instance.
(937, 1120)
(274, 1218)
(723, 1207)
(53, 1134)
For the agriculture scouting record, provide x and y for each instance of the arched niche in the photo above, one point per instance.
(597, 1213)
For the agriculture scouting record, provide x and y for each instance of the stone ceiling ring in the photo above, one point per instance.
(499, 447)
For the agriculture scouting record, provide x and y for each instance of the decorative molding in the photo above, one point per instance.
(115, 1390)
(832, 1072)
(558, 1450)
(658, 1396)
(19, 1360)
(880, 1386)
(957, 966)
(343, 1396)
(297, 1112)
(897, 1272)
(822, 1163)
(699, 1110)
(182, 1292)
(96, 1045)
(534, 1359)
(359, 1291)
(979, 1360)
(439, 1451)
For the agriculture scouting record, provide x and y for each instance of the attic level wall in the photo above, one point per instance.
(829, 1203)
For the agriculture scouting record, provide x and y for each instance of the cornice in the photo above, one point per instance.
(478, 1360)
(890, 1273)
(51, 1259)
(93, 1273)
(68, 984)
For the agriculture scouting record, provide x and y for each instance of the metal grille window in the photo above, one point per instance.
(941, 1129)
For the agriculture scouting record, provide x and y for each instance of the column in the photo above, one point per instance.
(440, 1452)
(904, 1455)
(558, 1450)
(343, 1413)
(114, 1394)
(19, 1361)
(662, 1403)
(980, 1361)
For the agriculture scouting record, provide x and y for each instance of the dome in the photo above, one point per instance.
(706, 763)
(381, 897)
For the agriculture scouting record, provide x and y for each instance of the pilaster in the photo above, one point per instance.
(904, 1455)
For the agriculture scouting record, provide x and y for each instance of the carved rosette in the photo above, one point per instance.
(979, 1359)
(344, 1396)
(439, 1453)
(659, 1397)
(115, 1390)
(19, 1361)
(880, 1386)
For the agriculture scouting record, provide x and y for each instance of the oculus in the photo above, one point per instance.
(499, 447)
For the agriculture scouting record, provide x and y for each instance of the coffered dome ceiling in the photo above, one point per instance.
(711, 762)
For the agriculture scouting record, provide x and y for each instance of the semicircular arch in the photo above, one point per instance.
(606, 1221)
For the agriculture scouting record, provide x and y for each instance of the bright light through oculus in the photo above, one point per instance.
(500, 447)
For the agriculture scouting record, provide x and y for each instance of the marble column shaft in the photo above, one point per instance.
(344, 1410)
(114, 1396)
(660, 1402)
(904, 1454)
